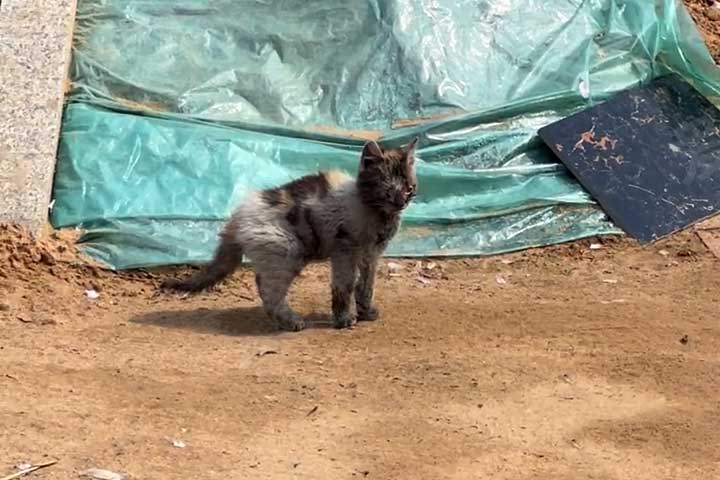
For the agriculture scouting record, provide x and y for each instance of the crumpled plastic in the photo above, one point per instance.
(179, 109)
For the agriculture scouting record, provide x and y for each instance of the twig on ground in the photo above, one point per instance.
(29, 470)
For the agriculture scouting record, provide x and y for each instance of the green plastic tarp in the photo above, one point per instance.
(180, 107)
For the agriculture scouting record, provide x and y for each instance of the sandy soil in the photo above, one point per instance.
(562, 363)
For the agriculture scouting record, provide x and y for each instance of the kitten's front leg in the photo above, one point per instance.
(365, 289)
(344, 272)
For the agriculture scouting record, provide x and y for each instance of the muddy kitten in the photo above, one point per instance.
(329, 215)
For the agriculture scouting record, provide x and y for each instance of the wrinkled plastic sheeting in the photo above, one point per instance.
(180, 108)
(367, 64)
(199, 172)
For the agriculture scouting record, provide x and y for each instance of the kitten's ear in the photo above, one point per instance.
(410, 150)
(371, 154)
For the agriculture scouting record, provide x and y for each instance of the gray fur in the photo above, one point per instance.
(325, 216)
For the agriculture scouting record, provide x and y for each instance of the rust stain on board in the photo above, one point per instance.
(604, 143)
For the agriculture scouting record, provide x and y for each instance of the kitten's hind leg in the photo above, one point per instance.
(344, 272)
(273, 285)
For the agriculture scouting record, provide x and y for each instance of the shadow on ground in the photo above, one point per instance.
(247, 321)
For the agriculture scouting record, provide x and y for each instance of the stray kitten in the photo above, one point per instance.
(328, 215)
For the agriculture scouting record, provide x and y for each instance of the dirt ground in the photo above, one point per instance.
(568, 362)
(708, 21)
(564, 363)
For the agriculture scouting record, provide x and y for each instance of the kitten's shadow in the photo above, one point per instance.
(250, 321)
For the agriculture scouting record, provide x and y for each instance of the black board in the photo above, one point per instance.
(650, 156)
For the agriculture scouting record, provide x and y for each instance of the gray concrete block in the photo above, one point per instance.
(35, 46)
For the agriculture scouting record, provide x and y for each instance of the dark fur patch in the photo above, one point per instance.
(388, 231)
(297, 191)
(340, 300)
(272, 197)
(308, 186)
(303, 223)
(341, 233)
(293, 215)
(313, 249)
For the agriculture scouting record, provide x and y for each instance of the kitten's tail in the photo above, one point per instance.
(227, 259)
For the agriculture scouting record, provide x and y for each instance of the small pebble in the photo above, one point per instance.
(713, 12)
(178, 444)
(100, 474)
(92, 294)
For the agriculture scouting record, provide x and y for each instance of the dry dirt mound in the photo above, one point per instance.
(20, 251)
(43, 280)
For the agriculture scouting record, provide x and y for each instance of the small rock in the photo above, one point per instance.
(4, 307)
(99, 474)
(664, 253)
(178, 444)
(264, 352)
(684, 340)
(610, 280)
(595, 246)
(500, 280)
(47, 259)
(92, 294)
(713, 12)
(394, 269)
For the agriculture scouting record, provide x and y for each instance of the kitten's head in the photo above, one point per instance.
(386, 180)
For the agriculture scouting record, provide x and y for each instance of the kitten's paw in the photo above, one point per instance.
(368, 315)
(293, 324)
(344, 320)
